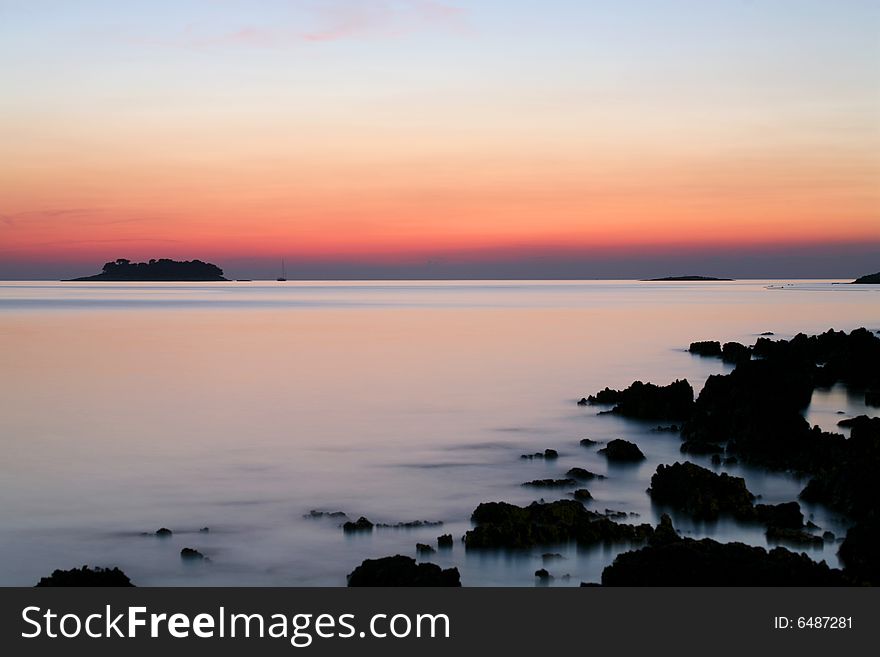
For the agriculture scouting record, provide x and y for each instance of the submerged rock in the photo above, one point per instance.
(622, 451)
(503, 525)
(793, 537)
(699, 492)
(402, 571)
(546, 454)
(584, 475)
(649, 401)
(192, 554)
(551, 483)
(412, 524)
(588, 442)
(315, 514)
(360, 525)
(86, 576)
(424, 548)
(163, 532)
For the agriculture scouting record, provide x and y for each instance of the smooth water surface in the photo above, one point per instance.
(241, 406)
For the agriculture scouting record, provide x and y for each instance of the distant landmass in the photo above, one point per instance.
(869, 278)
(157, 270)
(688, 278)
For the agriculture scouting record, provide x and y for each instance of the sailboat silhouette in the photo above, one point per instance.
(283, 276)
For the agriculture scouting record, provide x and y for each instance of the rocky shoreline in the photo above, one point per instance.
(752, 414)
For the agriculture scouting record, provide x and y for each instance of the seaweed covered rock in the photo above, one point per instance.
(706, 348)
(860, 552)
(622, 451)
(503, 525)
(402, 571)
(649, 401)
(701, 493)
(86, 576)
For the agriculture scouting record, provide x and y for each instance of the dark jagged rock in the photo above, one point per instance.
(859, 552)
(767, 333)
(699, 492)
(617, 515)
(687, 562)
(793, 537)
(163, 532)
(649, 401)
(734, 352)
(622, 451)
(551, 483)
(546, 454)
(402, 571)
(191, 554)
(582, 494)
(157, 270)
(706, 348)
(542, 573)
(583, 474)
(424, 548)
(444, 541)
(786, 516)
(700, 448)
(588, 442)
(583, 401)
(665, 533)
(868, 279)
(205, 530)
(847, 479)
(828, 536)
(360, 525)
(412, 524)
(86, 576)
(503, 525)
(672, 428)
(314, 514)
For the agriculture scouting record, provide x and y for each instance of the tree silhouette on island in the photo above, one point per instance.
(163, 269)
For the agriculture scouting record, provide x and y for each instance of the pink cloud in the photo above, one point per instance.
(334, 20)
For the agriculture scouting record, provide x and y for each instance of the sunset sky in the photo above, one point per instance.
(431, 138)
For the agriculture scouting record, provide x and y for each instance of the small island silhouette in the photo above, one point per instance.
(686, 278)
(157, 270)
(868, 279)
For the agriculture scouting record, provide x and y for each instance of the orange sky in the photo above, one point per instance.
(432, 141)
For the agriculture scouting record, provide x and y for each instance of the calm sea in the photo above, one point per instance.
(242, 406)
